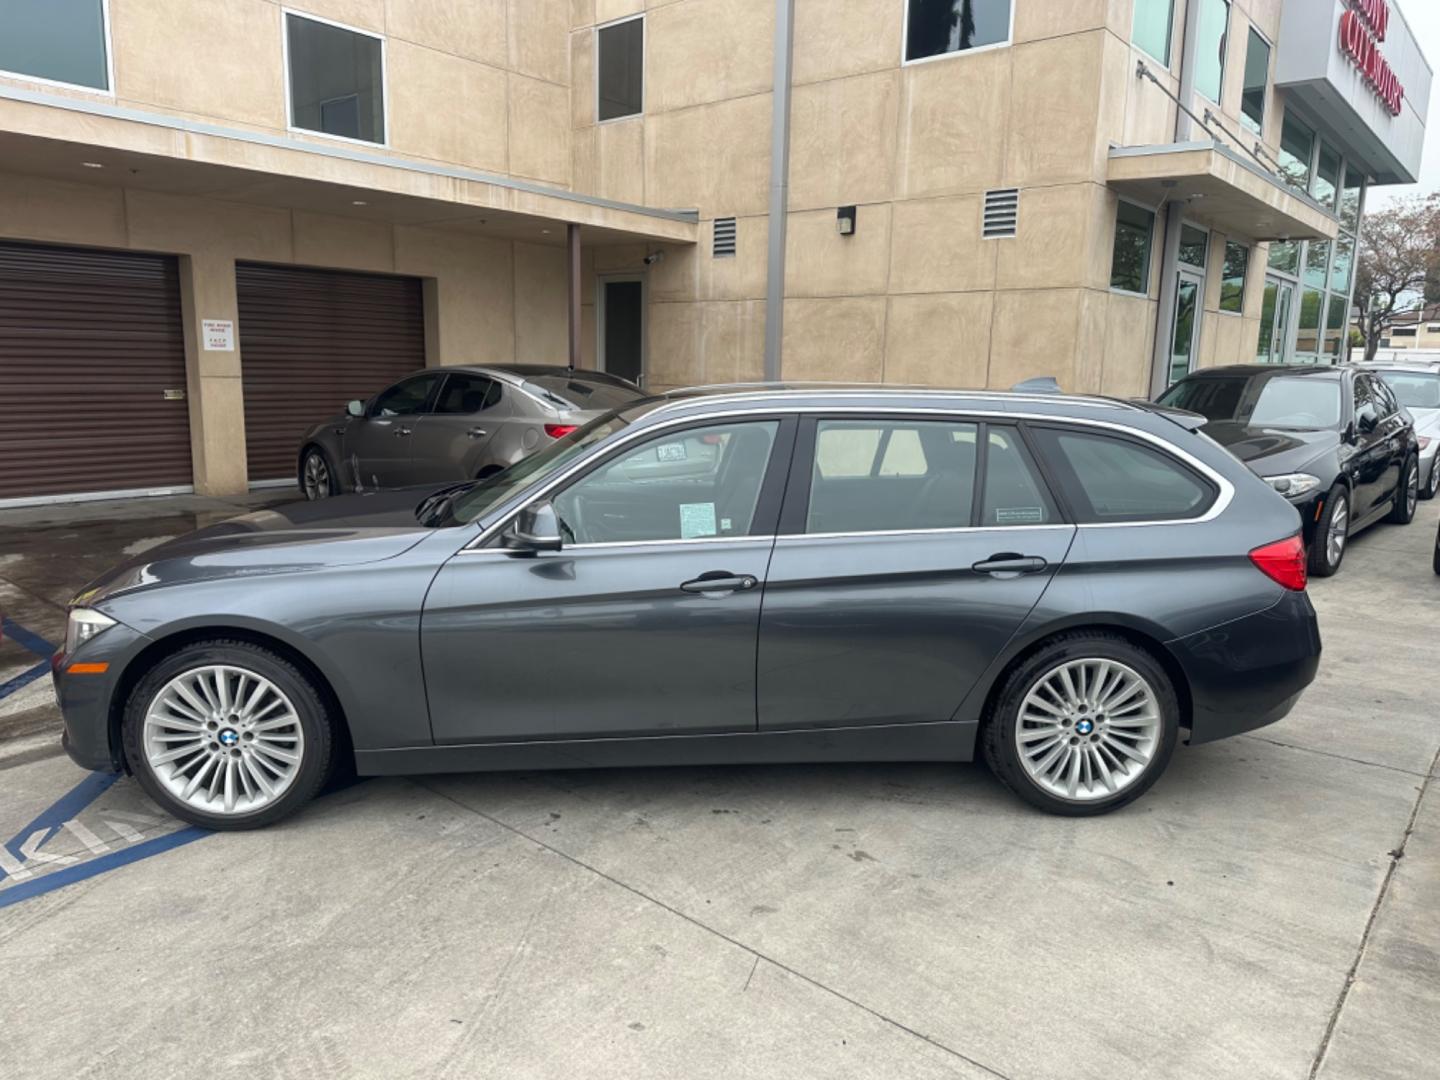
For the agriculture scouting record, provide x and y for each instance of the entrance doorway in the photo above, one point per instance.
(1185, 336)
(1274, 347)
(621, 326)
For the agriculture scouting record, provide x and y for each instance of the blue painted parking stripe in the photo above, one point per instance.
(26, 639)
(24, 679)
(62, 809)
(58, 879)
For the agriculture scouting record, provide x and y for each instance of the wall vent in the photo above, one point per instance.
(724, 237)
(1002, 213)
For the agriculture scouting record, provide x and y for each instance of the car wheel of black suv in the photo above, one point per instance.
(317, 478)
(1327, 550)
(1407, 496)
(227, 735)
(1083, 726)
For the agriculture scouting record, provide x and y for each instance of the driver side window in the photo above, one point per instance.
(689, 485)
(1367, 407)
(406, 398)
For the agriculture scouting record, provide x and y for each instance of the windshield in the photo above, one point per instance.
(1285, 401)
(570, 392)
(493, 490)
(1415, 389)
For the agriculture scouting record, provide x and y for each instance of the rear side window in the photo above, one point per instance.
(1112, 480)
(1014, 491)
(891, 476)
(463, 394)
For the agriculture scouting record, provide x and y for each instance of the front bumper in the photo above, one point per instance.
(1249, 673)
(85, 700)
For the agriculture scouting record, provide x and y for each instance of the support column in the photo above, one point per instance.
(779, 186)
(213, 388)
(572, 284)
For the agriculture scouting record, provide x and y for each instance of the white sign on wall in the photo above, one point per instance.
(219, 335)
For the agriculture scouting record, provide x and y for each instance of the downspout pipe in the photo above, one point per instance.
(779, 186)
(1173, 211)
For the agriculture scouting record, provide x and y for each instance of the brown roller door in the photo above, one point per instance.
(90, 343)
(310, 340)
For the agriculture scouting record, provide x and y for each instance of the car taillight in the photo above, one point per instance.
(1424, 443)
(559, 431)
(1283, 562)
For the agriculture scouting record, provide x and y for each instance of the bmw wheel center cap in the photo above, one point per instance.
(1084, 727)
(229, 737)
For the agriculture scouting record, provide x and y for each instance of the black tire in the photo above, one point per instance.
(998, 733)
(330, 484)
(1321, 564)
(1432, 485)
(317, 751)
(1435, 561)
(1407, 495)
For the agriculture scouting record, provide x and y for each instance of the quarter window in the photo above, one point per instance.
(406, 398)
(61, 41)
(938, 27)
(337, 79)
(1211, 35)
(882, 476)
(467, 394)
(1232, 283)
(1257, 82)
(620, 69)
(1130, 265)
(693, 485)
(1152, 29)
(1113, 480)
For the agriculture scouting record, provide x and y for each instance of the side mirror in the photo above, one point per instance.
(1367, 423)
(355, 408)
(536, 529)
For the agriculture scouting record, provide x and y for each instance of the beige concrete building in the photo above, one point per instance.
(219, 219)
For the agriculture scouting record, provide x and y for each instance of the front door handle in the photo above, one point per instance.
(401, 431)
(1008, 564)
(477, 433)
(719, 583)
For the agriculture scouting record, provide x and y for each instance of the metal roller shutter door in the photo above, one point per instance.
(90, 343)
(310, 340)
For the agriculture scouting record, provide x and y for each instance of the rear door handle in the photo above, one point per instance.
(400, 431)
(719, 583)
(1009, 563)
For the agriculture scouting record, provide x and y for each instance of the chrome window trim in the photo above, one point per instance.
(1222, 501)
(892, 533)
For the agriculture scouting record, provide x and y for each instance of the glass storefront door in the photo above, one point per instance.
(1185, 338)
(1275, 322)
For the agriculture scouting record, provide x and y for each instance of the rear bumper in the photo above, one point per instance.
(1249, 673)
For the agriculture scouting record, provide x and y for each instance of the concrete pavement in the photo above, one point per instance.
(1266, 911)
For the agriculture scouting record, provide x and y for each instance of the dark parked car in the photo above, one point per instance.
(1333, 440)
(451, 424)
(1063, 584)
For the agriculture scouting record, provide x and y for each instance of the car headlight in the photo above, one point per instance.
(84, 624)
(1293, 484)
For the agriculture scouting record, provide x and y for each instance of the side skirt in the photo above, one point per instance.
(946, 741)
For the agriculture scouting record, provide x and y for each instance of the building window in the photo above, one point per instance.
(58, 41)
(1134, 232)
(1317, 262)
(1257, 82)
(337, 79)
(620, 72)
(1327, 177)
(1335, 324)
(1153, 28)
(1351, 195)
(1194, 246)
(1232, 281)
(1211, 34)
(1405, 331)
(1285, 257)
(1297, 148)
(1344, 261)
(939, 27)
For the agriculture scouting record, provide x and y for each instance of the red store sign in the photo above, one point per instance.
(1362, 28)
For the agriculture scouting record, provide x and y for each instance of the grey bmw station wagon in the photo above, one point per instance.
(1064, 585)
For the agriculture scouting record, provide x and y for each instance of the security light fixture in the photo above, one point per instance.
(845, 220)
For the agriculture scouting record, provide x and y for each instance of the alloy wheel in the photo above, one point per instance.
(1412, 489)
(1088, 729)
(223, 739)
(316, 476)
(1338, 532)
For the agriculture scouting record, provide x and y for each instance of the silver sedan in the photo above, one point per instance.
(1417, 386)
(452, 423)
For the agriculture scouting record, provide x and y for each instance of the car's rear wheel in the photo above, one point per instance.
(1085, 725)
(317, 479)
(1407, 496)
(228, 735)
(1327, 550)
(1432, 482)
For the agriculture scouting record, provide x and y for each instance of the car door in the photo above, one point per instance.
(448, 442)
(1371, 464)
(911, 549)
(378, 444)
(1397, 425)
(644, 623)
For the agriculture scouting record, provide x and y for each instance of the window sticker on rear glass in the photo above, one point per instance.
(674, 451)
(696, 519)
(1019, 515)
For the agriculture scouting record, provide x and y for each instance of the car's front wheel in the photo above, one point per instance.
(1432, 482)
(1327, 549)
(1407, 495)
(1085, 725)
(228, 735)
(317, 479)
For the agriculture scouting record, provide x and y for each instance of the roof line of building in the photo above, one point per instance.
(346, 153)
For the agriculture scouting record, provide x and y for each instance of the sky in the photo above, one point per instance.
(1424, 19)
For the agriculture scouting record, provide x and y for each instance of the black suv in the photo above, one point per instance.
(1332, 440)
